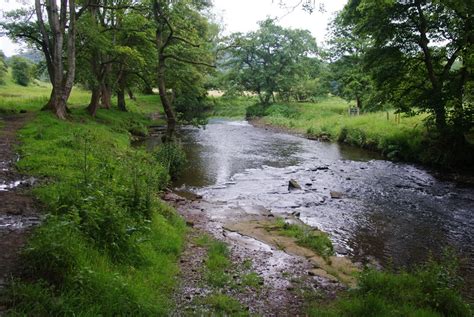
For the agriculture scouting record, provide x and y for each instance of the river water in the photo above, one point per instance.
(391, 213)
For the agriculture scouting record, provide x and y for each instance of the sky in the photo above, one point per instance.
(243, 15)
(237, 16)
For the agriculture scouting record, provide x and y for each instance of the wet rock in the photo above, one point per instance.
(319, 168)
(293, 184)
(340, 250)
(335, 195)
(296, 214)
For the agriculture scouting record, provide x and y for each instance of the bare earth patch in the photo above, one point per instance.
(18, 213)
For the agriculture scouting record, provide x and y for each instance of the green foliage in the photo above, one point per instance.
(3, 68)
(430, 290)
(109, 246)
(22, 70)
(417, 56)
(229, 106)
(223, 305)
(172, 157)
(217, 263)
(305, 236)
(407, 140)
(255, 111)
(252, 280)
(270, 59)
(275, 110)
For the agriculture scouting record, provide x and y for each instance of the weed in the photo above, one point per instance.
(224, 305)
(305, 236)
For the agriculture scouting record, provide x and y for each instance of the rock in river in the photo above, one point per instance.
(336, 195)
(292, 184)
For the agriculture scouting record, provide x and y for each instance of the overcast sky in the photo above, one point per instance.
(243, 15)
(238, 16)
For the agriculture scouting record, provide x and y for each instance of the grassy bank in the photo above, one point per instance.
(404, 139)
(108, 245)
(429, 291)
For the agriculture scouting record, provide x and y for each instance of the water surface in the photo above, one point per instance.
(395, 214)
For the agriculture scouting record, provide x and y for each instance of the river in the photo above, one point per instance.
(394, 214)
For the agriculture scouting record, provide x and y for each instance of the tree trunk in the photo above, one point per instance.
(61, 71)
(358, 102)
(95, 101)
(170, 115)
(106, 96)
(130, 94)
(122, 106)
(121, 100)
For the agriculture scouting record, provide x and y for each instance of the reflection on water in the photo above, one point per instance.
(395, 213)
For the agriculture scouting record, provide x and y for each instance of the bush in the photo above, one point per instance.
(255, 111)
(55, 251)
(3, 68)
(172, 157)
(22, 70)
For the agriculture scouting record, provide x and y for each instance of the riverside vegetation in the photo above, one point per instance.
(109, 246)
(395, 136)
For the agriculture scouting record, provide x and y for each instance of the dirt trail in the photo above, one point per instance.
(288, 279)
(18, 212)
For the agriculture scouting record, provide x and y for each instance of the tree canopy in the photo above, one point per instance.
(270, 59)
(419, 55)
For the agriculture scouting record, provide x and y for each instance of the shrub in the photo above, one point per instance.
(172, 157)
(255, 111)
(22, 70)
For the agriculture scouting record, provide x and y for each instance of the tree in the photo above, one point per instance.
(116, 40)
(270, 59)
(3, 68)
(349, 80)
(22, 70)
(180, 31)
(420, 55)
(54, 33)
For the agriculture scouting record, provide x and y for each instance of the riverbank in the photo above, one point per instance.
(107, 244)
(396, 137)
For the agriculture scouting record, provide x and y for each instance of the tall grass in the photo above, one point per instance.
(108, 246)
(429, 291)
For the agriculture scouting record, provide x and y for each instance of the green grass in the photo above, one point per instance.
(229, 107)
(429, 291)
(108, 245)
(252, 280)
(16, 98)
(223, 305)
(329, 118)
(217, 263)
(305, 236)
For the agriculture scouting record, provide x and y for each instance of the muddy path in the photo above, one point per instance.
(18, 210)
(289, 280)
